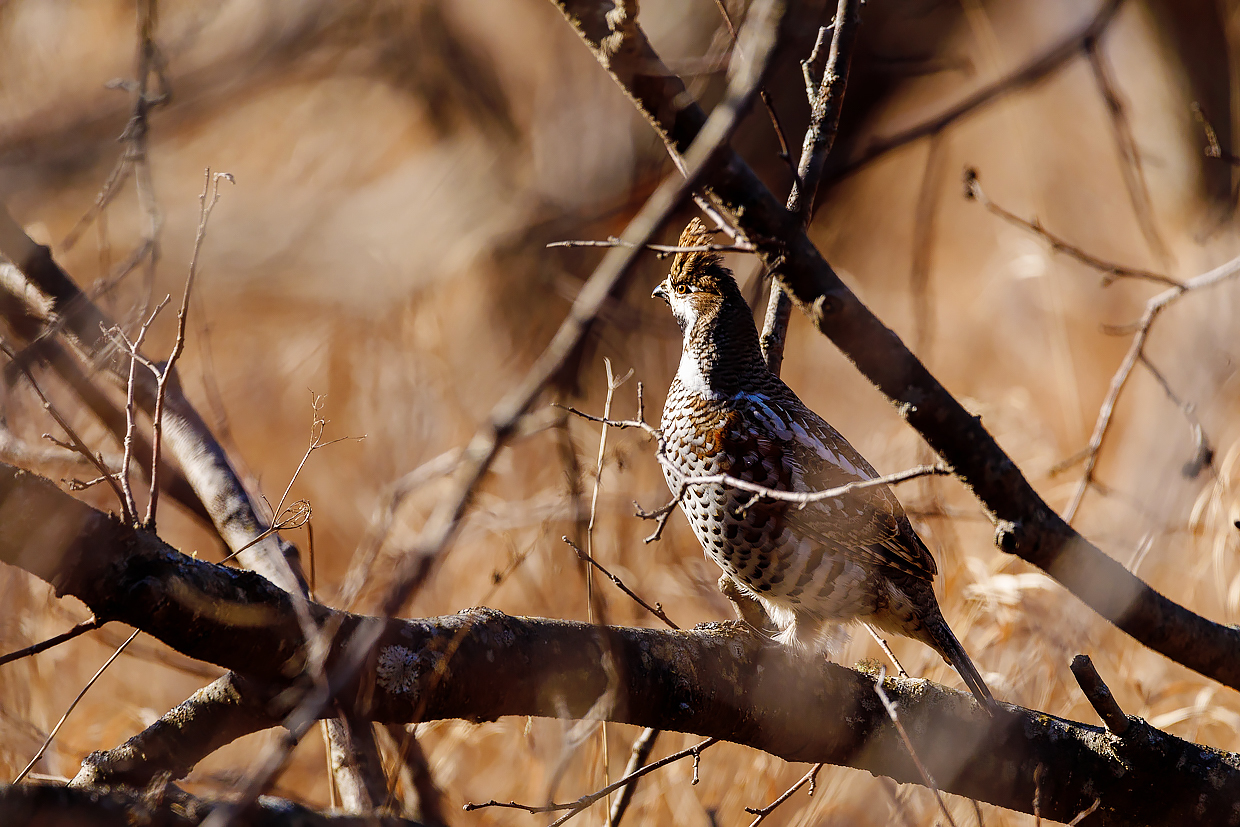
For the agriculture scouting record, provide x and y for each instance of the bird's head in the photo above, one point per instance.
(698, 285)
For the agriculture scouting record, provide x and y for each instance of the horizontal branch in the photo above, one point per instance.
(1025, 525)
(48, 804)
(718, 680)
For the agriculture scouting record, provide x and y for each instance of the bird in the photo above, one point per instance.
(812, 567)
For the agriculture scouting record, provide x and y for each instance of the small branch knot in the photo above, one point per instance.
(1006, 536)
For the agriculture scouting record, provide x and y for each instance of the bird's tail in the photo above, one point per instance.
(942, 639)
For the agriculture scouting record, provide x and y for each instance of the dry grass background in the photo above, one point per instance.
(399, 167)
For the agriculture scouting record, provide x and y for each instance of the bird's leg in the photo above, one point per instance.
(746, 607)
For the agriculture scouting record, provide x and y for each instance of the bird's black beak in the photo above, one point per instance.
(659, 293)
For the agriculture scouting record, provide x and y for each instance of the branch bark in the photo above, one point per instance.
(1025, 525)
(46, 804)
(718, 680)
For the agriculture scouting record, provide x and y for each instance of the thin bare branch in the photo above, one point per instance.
(72, 706)
(1126, 145)
(655, 610)
(1153, 308)
(661, 249)
(42, 646)
(211, 185)
(130, 391)
(1109, 269)
(1039, 68)
(75, 441)
(763, 812)
(826, 98)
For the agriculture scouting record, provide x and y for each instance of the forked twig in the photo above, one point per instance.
(826, 100)
(587, 800)
(1153, 308)
(762, 812)
(212, 185)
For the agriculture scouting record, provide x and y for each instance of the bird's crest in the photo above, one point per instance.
(700, 268)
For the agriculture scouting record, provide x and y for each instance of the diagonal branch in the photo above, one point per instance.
(1025, 525)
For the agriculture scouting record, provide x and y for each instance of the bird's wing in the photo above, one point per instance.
(867, 522)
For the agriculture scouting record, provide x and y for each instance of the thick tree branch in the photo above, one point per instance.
(719, 680)
(45, 804)
(1025, 525)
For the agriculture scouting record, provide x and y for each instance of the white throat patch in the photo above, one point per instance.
(691, 378)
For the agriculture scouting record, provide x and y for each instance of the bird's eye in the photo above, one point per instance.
(682, 288)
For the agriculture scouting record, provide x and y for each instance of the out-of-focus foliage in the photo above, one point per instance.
(400, 165)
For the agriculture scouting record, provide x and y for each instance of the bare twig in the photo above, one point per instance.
(784, 154)
(762, 812)
(212, 185)
(661, 249)
(130, 391)
(924, 220)
(655, 610)
(1153, 308)
(1213, 148)
(1205, 451)
(1083, 814)
(882, 644)
(80, 629)
(639, 754)
(908, 743)
(1110, 270)
(72, 706)
(585, 801)
(1126, 144)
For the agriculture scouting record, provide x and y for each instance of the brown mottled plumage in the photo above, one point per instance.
(855, 557)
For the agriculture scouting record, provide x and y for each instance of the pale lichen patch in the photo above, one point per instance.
(397, 670)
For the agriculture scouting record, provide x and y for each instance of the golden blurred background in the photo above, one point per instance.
(400, 166)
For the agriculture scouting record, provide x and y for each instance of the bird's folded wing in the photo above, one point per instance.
(866, 523)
